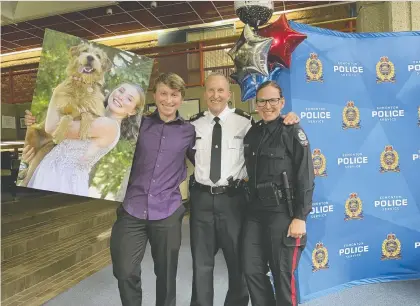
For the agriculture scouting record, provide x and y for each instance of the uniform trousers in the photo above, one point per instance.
(129, 238)
(266, 246)
(216, 223)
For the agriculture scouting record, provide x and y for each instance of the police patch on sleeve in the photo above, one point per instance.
(302, 137)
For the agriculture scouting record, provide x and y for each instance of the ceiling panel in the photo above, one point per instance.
(170, 10)
(127, 17)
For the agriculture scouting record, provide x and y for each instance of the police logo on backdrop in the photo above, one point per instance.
(320, 163)
(391, 248)
(385, 71)
(353, 208)
(351, 116)
(315, 115)
(418, 116)
(346, 69)
(314, 70)
(389, 160)
(414, 67)
(352, 160)
(391, 203)
(321, 209)
(388, 113)
(319, 257)
(416, 156)
(354, 249)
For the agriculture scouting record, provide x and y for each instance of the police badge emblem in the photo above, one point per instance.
(353, 208)
(389, 160)
(314, 70)
(302, 138)
(320, 163)
(351, 116)
(319, 257)
(385, 70)
(391, 248)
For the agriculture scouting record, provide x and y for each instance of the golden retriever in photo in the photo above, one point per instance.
(78, 97)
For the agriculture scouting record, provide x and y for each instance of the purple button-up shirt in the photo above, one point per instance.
(159, 167)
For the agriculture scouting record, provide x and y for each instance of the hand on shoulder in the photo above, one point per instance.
(290, 118)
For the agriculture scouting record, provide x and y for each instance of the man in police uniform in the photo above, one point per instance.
(217, 199)
(281, 183)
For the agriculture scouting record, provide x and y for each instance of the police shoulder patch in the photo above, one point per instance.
(301, 136)
(196, 116)
(240, 112)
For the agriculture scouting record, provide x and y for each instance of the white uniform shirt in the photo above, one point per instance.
(234, 129)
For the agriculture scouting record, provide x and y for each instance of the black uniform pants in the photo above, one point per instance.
(128, 243)
(216, 222)
(265, 246)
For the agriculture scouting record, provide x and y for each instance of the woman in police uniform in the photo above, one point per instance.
(281, 183)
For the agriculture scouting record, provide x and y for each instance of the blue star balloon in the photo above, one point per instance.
(251, 82)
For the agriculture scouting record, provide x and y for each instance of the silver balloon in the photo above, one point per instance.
(250, 54)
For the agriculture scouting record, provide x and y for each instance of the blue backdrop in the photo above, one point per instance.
(358, 96)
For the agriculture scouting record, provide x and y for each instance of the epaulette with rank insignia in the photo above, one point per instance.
(240, 112)
(196, 116)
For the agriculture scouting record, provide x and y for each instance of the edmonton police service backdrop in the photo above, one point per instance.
(358, 96)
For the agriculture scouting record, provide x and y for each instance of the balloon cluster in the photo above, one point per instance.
(260, 54)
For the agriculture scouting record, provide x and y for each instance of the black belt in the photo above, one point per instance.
(212, 189)
(281, 193)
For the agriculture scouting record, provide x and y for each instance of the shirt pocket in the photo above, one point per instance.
(236, 150)
(200, 144)
(275, 159)
(236, 144)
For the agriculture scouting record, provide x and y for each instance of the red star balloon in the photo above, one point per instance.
(285, 40)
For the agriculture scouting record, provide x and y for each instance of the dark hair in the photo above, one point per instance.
(270, 83)
(130, 125)
(172, 80)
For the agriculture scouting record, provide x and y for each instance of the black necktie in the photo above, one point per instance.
(216, 151)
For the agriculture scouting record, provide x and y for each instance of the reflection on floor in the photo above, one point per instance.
(50, 242)
(101, 288)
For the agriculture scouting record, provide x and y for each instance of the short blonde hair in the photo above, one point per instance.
(215, 74)
(172, 80)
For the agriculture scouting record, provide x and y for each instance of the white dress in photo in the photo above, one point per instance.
(66, 168)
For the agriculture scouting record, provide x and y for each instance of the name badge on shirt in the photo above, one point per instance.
(197, 138)
(238, 137)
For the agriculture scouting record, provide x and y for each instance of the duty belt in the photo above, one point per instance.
(212, 189)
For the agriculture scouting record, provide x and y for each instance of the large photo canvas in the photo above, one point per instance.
(88, 103)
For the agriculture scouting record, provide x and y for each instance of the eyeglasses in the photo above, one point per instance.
(272, 101)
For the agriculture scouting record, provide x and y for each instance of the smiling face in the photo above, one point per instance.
(274, 103)
(88, 62)
(168, 100)
(216, 93)
(124, 101)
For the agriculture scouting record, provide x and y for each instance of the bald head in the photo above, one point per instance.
(216, 93)
(217, 75)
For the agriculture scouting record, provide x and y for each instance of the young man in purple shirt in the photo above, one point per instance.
(152, 209)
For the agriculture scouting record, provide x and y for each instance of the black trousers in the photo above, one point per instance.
(266, 245)
(128, 243)
(216, 223)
